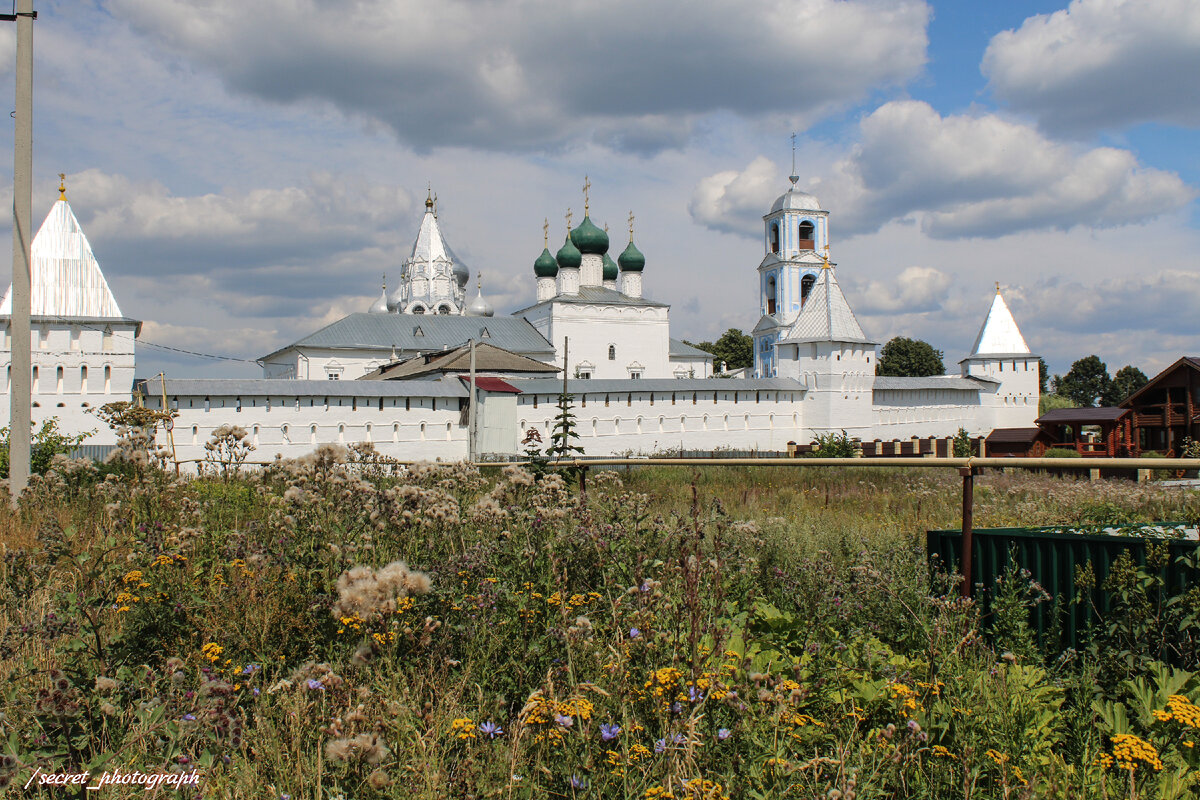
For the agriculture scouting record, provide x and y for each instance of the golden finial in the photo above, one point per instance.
(546, 232)
(586, 186)
(997, 287)
(429, 197)
(631, 225)
(569, 222)
(385, 283)
(62, 186)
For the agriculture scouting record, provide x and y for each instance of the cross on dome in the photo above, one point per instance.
(631, 225)
(587, 185)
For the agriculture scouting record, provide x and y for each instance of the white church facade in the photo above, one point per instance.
(634, 388)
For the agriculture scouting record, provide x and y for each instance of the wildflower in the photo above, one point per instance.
(1129, 751)
(634, 633)
(942, 752)
(577, 782)
(212, 651)
(723, 734)
(678, 738)
(463, 728)
(694, 695)
(491, 729)
(564, 720)
(189, 717)
(660, 746)
(315, 685)
(610, 731)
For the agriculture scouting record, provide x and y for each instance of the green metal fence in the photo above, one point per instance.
(1052, 555)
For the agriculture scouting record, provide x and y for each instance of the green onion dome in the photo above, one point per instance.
(569, 256)
(545, 266)
(590, 239)
(632, 259)
(610, 268)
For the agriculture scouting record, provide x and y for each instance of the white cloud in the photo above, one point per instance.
(913, 291)
(960, 176)
(1102, 64)
(522, 75)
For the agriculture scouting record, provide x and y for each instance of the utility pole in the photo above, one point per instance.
(471, 408)
(19, 420)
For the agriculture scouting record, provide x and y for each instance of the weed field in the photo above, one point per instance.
(333, 628)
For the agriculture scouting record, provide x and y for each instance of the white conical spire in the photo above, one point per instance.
(999, 334)
(65, 278)
(826, 316)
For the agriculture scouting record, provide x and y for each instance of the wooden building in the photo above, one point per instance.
(1102, 432)
(1167, 409)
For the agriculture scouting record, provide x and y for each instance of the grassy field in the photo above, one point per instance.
(324, 629)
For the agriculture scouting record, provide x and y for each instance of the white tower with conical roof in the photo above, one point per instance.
(434, 280)
(1001, 357)
(83, 347)
(826, 350)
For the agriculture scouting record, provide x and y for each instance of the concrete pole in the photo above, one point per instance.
(471, 408)
(19, 437)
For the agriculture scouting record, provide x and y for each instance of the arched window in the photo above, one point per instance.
(771, 294)
(774, 237)
(443, 309)
(806, 235)
(612, 352)
(806, 284)
(83, 380)
(418, 309)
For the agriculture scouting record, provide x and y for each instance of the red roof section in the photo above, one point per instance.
(491, 384)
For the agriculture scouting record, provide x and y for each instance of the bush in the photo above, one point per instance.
(47, 443)
(833, 445)
(1062, 452)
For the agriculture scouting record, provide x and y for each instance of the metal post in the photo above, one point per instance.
(968, 524)
(19, 433)
(471, 407)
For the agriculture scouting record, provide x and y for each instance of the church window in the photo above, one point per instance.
(443, 309)
(58, 380)
(612, 352)
(806, 284)
(806, 235)
(313, 434)
(635, 374)
(395, 431)
(35, 379)
(774, 237)
(368, 431)
(418, 309)
(334, 376)
(771, 291)
(341, 433)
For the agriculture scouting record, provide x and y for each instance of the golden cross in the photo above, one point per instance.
(631, 225)
(586, 186)
(568, 222)
(997, 287)
(62, 186)
(546, 231)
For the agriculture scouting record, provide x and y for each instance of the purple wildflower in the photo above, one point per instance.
(576, 782)
(723, 734)
(679, 738)
(315, 685)
(491, 729)
(660, 746)
(189, 717)
(564, 720)
(695, 695)
(610, 731)
(634, 633)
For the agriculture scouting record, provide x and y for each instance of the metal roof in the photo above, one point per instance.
(931, 382)
(1065, 416)
(602, 385)
(286, 387)
(65, 278)
(826, 316)
(681, 348)
(424, 332)
(792, 199)
(999, 334)
(597, 295)
(488, 358)
(1020, 435)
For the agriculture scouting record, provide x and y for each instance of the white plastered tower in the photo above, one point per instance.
(83, 346)
(827, 351)
(1001, 355)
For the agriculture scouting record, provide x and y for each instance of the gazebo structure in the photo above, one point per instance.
(1065, 428)
(1167, 409)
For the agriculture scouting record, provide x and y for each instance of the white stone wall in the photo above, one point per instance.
(688, 367)
(79, 367)
(839, 378)
(640, 336)
(904, 413)
(1014, 403)
(318, 365)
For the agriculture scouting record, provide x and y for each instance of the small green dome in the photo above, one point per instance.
(590, 239)
(545, 266)
(610, 268)
(569, 256)
(632, 259)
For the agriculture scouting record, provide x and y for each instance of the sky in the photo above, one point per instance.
(248, 171)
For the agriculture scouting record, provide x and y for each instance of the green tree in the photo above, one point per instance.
(46, 444)
(1127, 381)
(911, 358)
(1086, 382)
(1043, 375)
(735, 348)
(563, 436)
(1049, 402)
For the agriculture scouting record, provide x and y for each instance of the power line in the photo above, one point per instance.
(136, 340)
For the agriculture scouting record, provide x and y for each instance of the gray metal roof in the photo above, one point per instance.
(385, 331)
(931, 382)
(600, 386)
(285, 387)
(598, 295)
(682, 348)
(826, 316)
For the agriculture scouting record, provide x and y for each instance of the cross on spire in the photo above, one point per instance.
(569, 215)
(62, 186)
(631, 225)
(793, 177)
(586, 186)
(546, 231)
